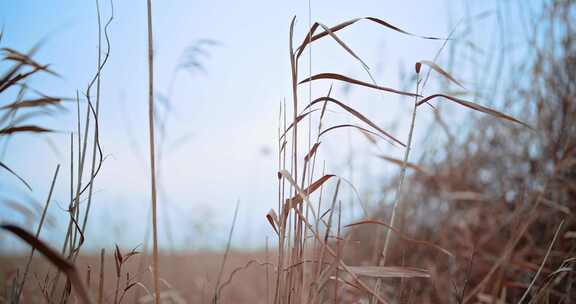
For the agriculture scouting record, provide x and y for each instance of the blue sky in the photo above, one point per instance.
(227, 114)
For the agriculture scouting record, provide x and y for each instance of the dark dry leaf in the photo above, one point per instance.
(26, 128)
(24, 59)
(44, 101)
(356, 82)
(2, 165)
(130, 286)
(298, 119)
(310, 37)
(282, 148)
(55, 258)
(311, 152)
(130, 254)
(358, 115)
(417, 67)
(297, 199)
(273, 219)
(117, 259)
(476, 107)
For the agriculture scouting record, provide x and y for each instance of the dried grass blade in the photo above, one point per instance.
(272, 218)
(340, 77)
(312, 151)
(24, 59)
(476, 107)
(410, 165)
(358, 115)
(55, 258)
(310, 37)
(364, 131)
(5, 167)
(344, 46)
(438, 69)
(389, 272)
(298, 119)
(298, 199)
(29, 103)
(26, 128)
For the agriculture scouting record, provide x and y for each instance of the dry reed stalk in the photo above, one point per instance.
(542, 264)
(56, 279)
(217, 290)
(398, 195)
(155, 260)
(101, 279)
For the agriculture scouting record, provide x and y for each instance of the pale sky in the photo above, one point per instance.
(227, 114)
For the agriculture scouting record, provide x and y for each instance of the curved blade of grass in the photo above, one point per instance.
(476, 107)
(399, 162)
(389, 272)
(298, 198)
(310, 37)
(43, 101)
(312, 151)
(344, 46)
(438, 69)
(358, 115)
(356, 82)
(272, 218)
(13, 55)
(527, 291)
(55, 258)
(364, 131)
(298, 119)
(402, 235)
(26, 128)
(2, 165)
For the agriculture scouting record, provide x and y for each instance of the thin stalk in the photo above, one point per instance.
(216, 297)
(38, 230)
(543, 263)
(101, 281)
(93, 165)
(398, 195)
(156, 266)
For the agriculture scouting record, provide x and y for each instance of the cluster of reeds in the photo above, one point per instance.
(499, 197)
(84, 166)
(311, 267)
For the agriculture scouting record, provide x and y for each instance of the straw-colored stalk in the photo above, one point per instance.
(156, 266)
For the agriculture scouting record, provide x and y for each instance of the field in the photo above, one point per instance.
(475, 203)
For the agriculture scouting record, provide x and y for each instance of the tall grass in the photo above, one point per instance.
(155, 263)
